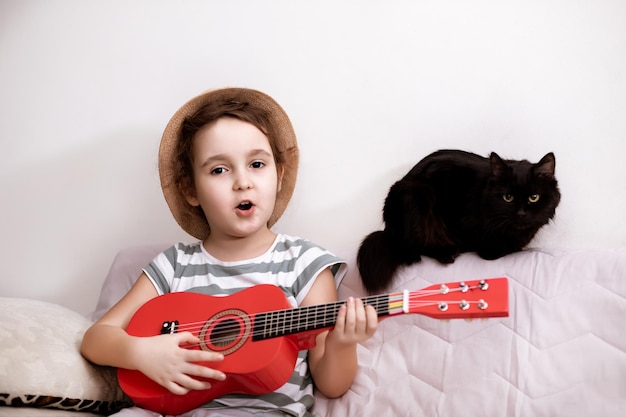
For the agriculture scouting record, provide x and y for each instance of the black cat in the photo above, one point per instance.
(454, 201)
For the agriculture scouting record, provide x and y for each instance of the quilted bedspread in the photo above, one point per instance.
(561, 351)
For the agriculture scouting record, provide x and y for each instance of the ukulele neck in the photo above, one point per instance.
(470, 299)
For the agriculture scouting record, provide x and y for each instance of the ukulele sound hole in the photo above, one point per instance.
(225, 333)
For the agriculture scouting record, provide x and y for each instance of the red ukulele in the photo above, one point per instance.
(260, 334)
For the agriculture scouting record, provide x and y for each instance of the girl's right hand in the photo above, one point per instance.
(165, 360)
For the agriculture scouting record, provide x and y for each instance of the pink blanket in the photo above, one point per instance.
(561, 352)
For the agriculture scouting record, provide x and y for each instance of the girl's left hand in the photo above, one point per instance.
(355, 323)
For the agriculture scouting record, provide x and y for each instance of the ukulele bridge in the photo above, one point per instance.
(169, 327)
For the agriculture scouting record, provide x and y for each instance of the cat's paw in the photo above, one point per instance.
(491, 255)
(445, 255)
(446, 259)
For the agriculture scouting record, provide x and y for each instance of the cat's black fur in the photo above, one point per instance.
(454, 201)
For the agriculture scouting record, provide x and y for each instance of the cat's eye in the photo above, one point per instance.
(508, 198)
(533, 198)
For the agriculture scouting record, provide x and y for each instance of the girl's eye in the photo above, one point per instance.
(508, 198)
(218, 170)
(257, 164)
(533, 198)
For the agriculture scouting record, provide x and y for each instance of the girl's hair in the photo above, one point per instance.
(209, 114)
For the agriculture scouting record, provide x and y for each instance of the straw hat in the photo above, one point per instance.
(191, 218)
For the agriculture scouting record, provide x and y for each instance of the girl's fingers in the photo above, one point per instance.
(350, 314)
(187, 338)
(188, 383)
(195, 370)
(372, 320)
(195, 355)
(356, 318)
(340, 323)
(361, 319)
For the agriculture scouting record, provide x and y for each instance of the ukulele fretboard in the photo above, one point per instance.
(297, 320)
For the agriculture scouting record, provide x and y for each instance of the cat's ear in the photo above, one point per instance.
(546, 166)
(498, 166)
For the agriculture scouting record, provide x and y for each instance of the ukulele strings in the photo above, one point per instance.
(418, 302)
(318, 313)
(415, 300)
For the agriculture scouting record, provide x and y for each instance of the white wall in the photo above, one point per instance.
(86, 88)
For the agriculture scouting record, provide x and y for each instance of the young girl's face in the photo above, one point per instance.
(235, 177)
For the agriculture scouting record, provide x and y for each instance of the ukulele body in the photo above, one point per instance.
(251, 366)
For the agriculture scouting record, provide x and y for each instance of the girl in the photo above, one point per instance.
(228, 162)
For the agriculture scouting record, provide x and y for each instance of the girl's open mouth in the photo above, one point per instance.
(245, 206)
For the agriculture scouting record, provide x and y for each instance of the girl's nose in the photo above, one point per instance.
(242, 182)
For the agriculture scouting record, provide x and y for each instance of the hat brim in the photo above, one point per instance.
(191, 218)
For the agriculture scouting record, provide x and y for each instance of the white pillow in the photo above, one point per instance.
(41, 365)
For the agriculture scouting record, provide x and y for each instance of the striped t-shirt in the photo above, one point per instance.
(291, 263)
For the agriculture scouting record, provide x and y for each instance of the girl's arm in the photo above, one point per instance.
(333, 360)
(161, 358)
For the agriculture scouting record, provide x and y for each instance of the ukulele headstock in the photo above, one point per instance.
(464, 299)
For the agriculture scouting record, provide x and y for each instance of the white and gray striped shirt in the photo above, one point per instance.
(291, 263)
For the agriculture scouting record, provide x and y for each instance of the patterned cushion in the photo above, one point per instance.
(40, 362)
